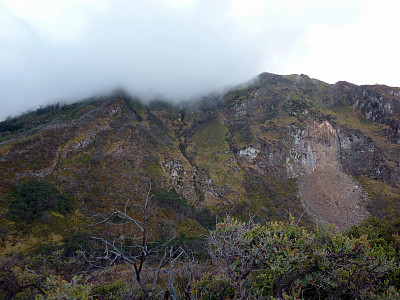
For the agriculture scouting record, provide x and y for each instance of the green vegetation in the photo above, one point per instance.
(281, 260)
(212, 134)
(172, 200)
(213, 287)
(33, 198)
(101, 152)
(152, 165)
(276, 197)
(239, 95)
(385, 200)
(57, 288)
(29, 121)
(383, 235)
(274, 260)
(10, 125)
(302, 108)
(212, 153)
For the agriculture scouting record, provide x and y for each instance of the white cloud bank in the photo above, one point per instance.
(53, 50)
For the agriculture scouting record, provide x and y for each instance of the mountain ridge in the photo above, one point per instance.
(256, 149)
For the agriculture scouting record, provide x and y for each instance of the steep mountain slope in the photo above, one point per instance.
(277, 145)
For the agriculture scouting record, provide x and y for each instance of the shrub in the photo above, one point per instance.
(34, 197)
(383, 235)
(210, 287)
(115, 290)
(172, 200)
(282, 259)
(57, 288)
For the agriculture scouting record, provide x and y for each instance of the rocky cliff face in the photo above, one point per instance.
(377, 103)
(329, 194)
(315, 147)
(278, 145)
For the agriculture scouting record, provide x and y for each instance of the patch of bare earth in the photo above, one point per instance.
(328, 194)
(333, 197)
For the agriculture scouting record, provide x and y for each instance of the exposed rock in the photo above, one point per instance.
(378, 103)
(249, 154)
(327, 193)
(315, 147)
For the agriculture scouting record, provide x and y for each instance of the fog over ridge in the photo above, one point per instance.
(63, 51)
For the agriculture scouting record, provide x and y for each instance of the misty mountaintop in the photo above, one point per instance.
(277, 145)
(275, 149)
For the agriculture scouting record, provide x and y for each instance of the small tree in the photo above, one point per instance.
(139, 252)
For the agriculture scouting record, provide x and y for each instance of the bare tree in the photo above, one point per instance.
(142, 256)
(184, 273)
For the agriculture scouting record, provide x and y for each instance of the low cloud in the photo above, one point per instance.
(175, 48)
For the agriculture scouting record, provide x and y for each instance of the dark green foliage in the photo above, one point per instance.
(237, 94)
(206, 218)
(156, 134)
(57, 262)
(172, 200)
(380, 231)
(299, 106)
(71, 245)
(383, 234)
(35, 197)
(45, 109)
(29, 121)
(57, 288)
(11, 125)
(115, 290)
(210, 287)
(25, 277)
(18, 123)
(246, 136)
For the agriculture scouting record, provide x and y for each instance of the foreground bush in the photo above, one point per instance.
(278, 260)
(57, 288)
(281, 259)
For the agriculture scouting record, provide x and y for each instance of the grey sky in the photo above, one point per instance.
(53, 50)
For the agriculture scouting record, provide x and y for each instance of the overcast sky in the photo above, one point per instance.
(66, 50)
